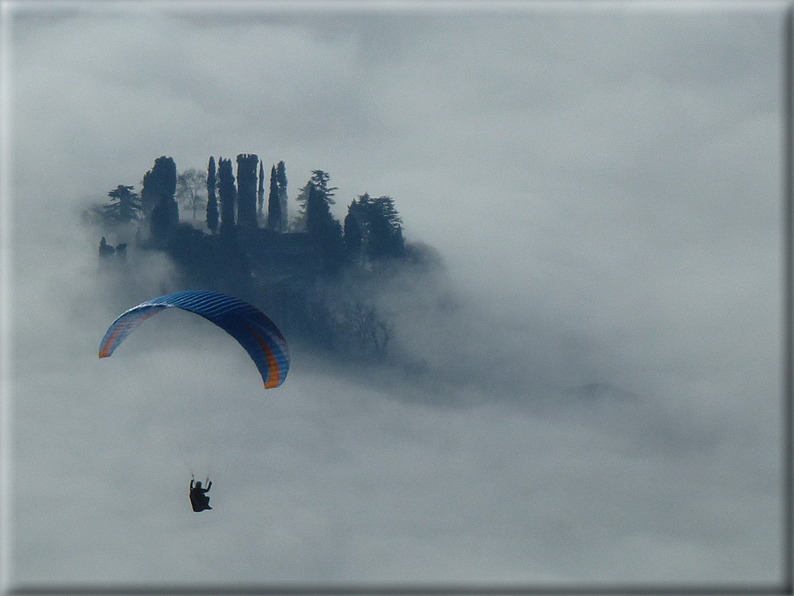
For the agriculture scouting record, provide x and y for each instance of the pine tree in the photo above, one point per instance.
(319, 182)
(385, 232)
(381, 226)
(212, 202)
(320, 223)
(353, 236)
(125, 205)
(324, 230)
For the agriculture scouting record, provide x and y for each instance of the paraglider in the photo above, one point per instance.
(198, 495)
(253, 330)
(248, 325)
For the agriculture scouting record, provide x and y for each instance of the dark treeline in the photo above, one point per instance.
(317, 277)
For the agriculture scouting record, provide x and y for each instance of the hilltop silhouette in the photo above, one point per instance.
(318, 277)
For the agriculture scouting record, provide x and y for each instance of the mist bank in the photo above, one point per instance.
(357, 294)
(408, 331)
(384, 321)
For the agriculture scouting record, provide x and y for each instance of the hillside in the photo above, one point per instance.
(321, 281)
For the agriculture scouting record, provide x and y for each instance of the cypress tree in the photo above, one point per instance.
(212, 202)
(260, 198)
(281, 178)
(274, 203)
(157, 196)
(227, 193)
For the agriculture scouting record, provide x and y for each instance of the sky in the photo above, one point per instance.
(603, 184)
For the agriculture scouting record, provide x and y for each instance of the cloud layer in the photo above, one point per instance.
(591, 388)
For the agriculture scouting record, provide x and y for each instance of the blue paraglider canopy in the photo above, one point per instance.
(247, 324)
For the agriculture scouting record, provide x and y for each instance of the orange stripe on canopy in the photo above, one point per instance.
(107, 349)
(274, 378)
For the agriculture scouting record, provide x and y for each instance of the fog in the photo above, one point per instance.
(588, 388)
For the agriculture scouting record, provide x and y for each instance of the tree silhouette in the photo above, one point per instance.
(125, 205)
(190, 187)
(315, 217)
(319, 220)
(323, 228)
(274, 203)
(292, 275)
(227, 194)
(260, 193)
(281, 179)
(212, 202)
(353, 237)
(246, 189)
(385, 233)
(157, 198)
(105, 249)
(380, 224)
(319, 182)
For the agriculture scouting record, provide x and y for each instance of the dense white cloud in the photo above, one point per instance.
(592, 388)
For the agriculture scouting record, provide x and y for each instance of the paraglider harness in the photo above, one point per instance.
(198, 495)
